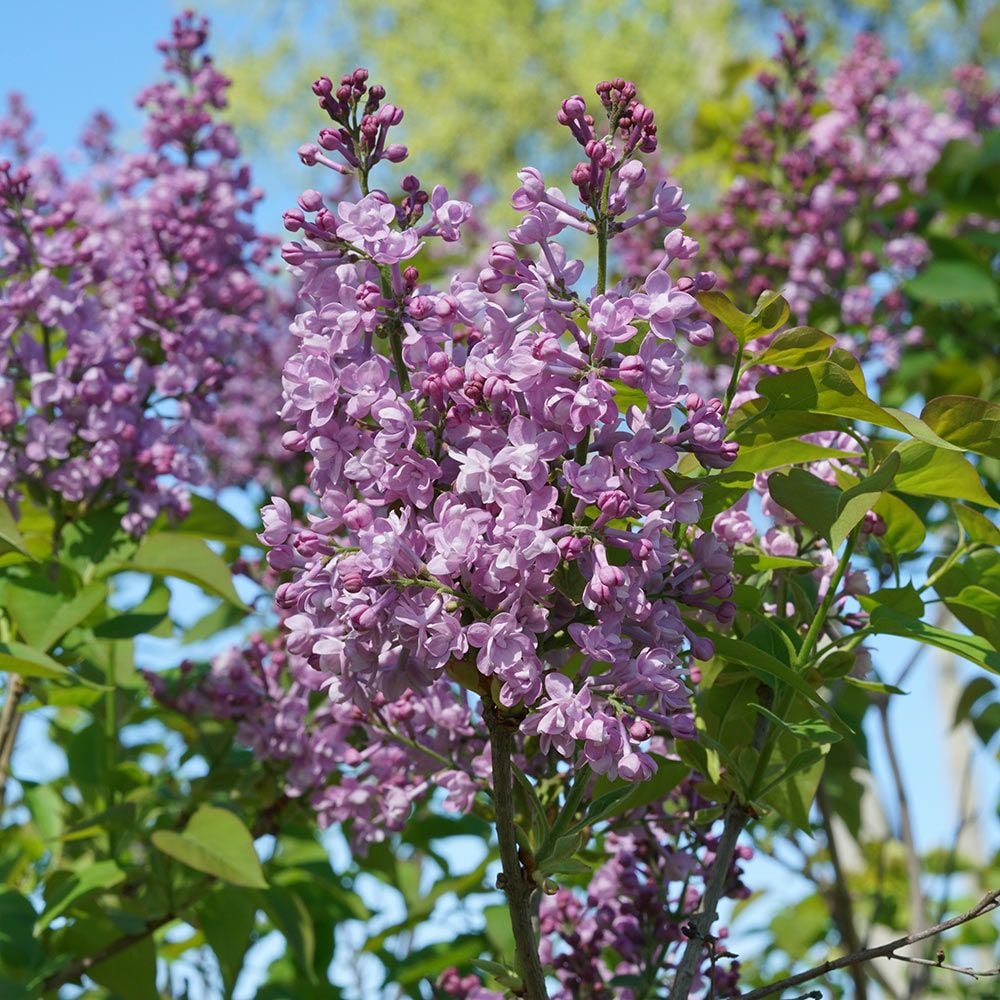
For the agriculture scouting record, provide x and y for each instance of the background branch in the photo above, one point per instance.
(987, 904)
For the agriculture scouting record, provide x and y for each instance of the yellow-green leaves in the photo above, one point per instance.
(770, 314)
(186, 558)
(828, 510)
(217, 843)
(926, 471)
(11, 539)
(969, 423)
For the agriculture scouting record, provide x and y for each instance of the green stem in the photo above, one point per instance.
(110, 757)
(396, 345)
(960, 550)
(574, 796)
(734, 381)
(602, 236)
(394, 333)
(516, 884)
(819, 619)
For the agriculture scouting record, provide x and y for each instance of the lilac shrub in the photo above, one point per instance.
(126, 290)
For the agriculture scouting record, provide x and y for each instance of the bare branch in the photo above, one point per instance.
(964, 970)
(10, 719)
(987, 904)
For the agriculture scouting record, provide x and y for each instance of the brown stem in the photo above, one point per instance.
(266, 823)
(737, 815)
(700, 926)
(987, 904)
(517, 886)
(72, 971)
(10, 719)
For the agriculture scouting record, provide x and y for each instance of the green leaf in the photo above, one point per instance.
(978, 609)
(961, 282)
(43, 614)
(759, 662)
(813, 731)
(88, 542)
(967, 422)
(824, 388)
(47, 809)
(149, 617)
(616, 798)
(778, 454)
(962, 585)
(11, 539)
(802, 761)
(628, 396)
(858, 500)
(795, 348)
(747, 562)
(977, 526)
(19, 949)
(829, 388)
(217, 843)
(888, 621)
(813, 501)
(430, 961)
(130, 972)
(904, 599)
(755, 423)
(91, 877)
(186, 558)
(208, 520)
(876, 687)
(217, 620)
(498, 929)
(797, 927)
(722, 308)
(566, 866)
(770, 313)
(720, 492)
(904, 529)
(974, 691)
(226, 918)
(926, 471)
(291, 917)
(17, 658)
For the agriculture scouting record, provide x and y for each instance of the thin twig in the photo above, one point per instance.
(72, 971)
(987, 904)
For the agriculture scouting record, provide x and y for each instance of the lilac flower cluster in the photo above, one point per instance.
(494, 462)
(819, 207)
(364, 770)
(241, 441)
(124, 292)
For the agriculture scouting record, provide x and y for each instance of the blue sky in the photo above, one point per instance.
(71, 58)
